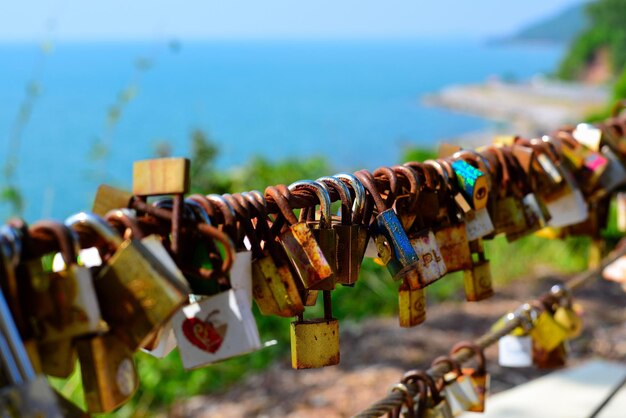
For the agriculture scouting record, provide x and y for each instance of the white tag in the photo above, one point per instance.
(478, 224)
(515, 351)
(213, 329)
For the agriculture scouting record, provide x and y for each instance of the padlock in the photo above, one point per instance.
(392, 242)
(588, 135)
(546, 333)
(431, 266)
(315, 342)
(452, 192)
(408, 407)
(436, 406)
(58, 358)
(478, 376)
(473, 183)
(137, 294)
(273, 284)
(162, 340)
(429, 193)
(215, 328)
(411, 305)
(108, 372)
(301, 247)
(569, 207)
(74, 306)
(357, 225)
(349, 250)
(615, 175)
(477, 279)
(323, 231)
(161, 176)
(109, 198)
(454, 247)
(564, 312)
(28, 395)
(457, 388)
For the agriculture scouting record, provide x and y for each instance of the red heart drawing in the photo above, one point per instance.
(202, 334)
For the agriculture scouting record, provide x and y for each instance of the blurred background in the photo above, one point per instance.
(259, 93)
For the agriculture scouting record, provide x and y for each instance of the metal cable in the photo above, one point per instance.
(396, 399)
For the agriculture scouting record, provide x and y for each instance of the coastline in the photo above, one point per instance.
(529, 108)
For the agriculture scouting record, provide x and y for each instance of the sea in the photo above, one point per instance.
(74, 115)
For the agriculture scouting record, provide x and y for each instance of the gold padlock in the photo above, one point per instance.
(315, 342)
(411, 306)
(477, 280)
(546, 333)
(454, 247)
(108, 372)
(57, 358)
(137, 294)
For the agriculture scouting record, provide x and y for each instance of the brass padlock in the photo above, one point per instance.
(477, 279)
(323, 231)
(108, 372)
(74, 306)
(273, 285)
(300, 245)
(350, 246)
(454, 247)
(137, 294)
(58, 358)
(411, 306)
(546, 333)
(358, 227)
(457, 387)
(478, 376)
(315, 342)
(565, 313)
(392, 242)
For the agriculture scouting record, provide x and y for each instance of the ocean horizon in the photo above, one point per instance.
(356, 103)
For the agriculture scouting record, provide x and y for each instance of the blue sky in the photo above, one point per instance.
(282, 19)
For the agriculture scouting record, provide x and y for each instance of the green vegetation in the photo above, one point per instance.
(560, 28)
(606, 31)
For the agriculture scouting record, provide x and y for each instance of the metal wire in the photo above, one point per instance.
(396, 399)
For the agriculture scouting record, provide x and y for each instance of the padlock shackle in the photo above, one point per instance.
(367, 180)
(344, 196)
(321, 191)
(97, 225)
(358, 203)
(241, 206)
(68, 244)
(198, 210)
(478, 352)
(392, 181)
(411, 176)
(127, 219)
(282, 203)
(427, 385)
(408, 400)
(452, 365)
(206, 205)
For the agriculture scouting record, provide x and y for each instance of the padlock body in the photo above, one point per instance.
(454, 247)
(391, 238)
(546, 333)
(327, 240)
(481, 382)
(58, 358)
(274, 289)
(314, 343)
(569, 320)
(351, 242)
(411, 306)
(550, 359)
(478, 224)
(472, 182)
(108, 372)
(307, 256)
(509, 216)
(477, 281)
(136, 294)
(431, 266)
